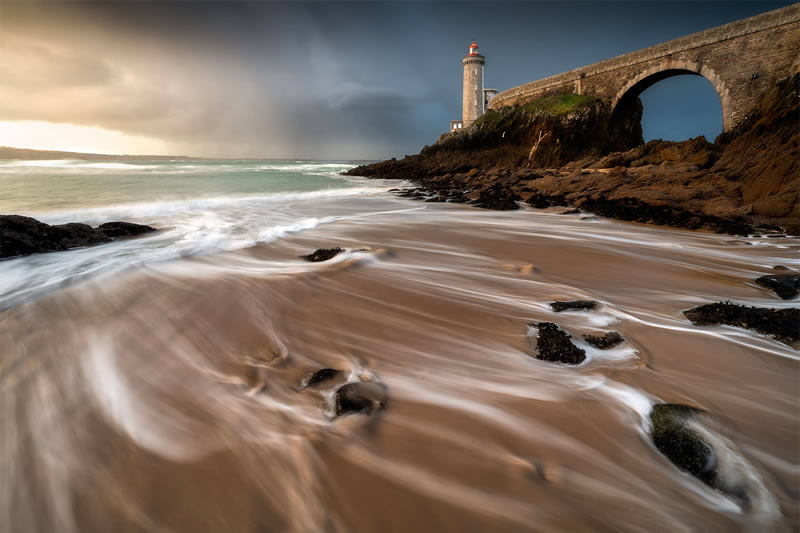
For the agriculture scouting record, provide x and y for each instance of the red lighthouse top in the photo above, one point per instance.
(473, 49)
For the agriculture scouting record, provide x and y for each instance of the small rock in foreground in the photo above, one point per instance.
(782, 324)
(555, 345)
(324, 374)
(680, 433)
(784, 285)
(322, 254)
(116, 230)
(605, 342)
(360, 397)
(575, 304)
(680, 444)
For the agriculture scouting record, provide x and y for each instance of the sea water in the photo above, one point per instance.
(199, 207)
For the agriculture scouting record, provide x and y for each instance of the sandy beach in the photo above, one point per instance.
(171, 397)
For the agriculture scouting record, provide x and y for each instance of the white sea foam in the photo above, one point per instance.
(157, 209)
(201, 224)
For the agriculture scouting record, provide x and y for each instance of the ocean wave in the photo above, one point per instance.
(153, 210)
(176, 166)
(304, 167)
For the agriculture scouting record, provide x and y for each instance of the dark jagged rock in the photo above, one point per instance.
(323, 374)
(322, 254)
(605, 342)
(20, 235)
(782, 324)
(498, 198)
(361, 397)
(634, 210)
(555, 345)
(575, 304)
(784, 285)
(116, 230)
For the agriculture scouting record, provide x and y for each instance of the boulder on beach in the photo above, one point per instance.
(785, 286)
(555, 345)
(573, 305)
(605, 342)
(782, 324)
(322, 254)
(360, 397)
(20, 235)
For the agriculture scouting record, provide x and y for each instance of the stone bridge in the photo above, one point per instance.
(741, 60)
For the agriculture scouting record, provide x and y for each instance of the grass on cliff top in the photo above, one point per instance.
(557, 104)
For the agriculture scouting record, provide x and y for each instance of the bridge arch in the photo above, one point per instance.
(625, 99)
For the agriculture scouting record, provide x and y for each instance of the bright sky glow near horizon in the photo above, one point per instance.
(76, 138)
(343, 80)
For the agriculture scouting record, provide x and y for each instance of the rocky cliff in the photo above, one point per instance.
(557, 150)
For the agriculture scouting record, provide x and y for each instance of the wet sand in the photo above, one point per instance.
(171, 398)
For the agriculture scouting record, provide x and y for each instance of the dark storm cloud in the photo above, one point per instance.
(333, 80)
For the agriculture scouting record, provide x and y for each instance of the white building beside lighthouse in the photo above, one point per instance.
(475, 98)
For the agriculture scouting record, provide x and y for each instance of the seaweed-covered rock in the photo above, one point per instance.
(605, 342)
(361, 397)
(322, 254)
(683, 434)
(680, 444)
(555, 345)
(323, 374)
(782, 324)
(784, 285)
(575, 304)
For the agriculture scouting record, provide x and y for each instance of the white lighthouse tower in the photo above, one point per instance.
(474, 97)
(472, 104)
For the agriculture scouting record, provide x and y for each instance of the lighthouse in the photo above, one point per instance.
(475, 98)
(472, 104)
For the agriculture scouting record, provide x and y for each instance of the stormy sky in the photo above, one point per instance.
(333, 80)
